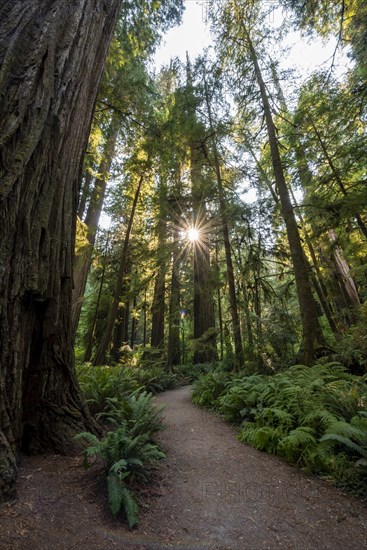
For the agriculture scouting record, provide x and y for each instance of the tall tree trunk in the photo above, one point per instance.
(205, 346)
(121, 327)
(312, 336)
(134, 323)
(219, 305)
(343, 271)
(100, 356)
(91, 332)
(236, 327)
(84, 193)
(158, 306)
(83, 261)
(157, 334)
(52, 55)
(173, 350)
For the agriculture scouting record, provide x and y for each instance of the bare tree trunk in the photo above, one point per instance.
(86, 188)
(205, 346)
(83, 261)
(312, 336)
(236, 327)
(159, 296)
(134, 323)
(100, 356)
(343, 270)
(51, 56)
(173, 351)
(91, 334)
(219, 306)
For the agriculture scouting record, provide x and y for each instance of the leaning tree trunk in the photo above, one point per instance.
(51, 56)
(312, 336)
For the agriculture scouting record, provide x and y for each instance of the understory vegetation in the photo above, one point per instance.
(313, 417)
(122, 403)
(121, 400)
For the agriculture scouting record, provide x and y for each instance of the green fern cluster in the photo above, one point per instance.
(102, 383)
(128, 450)
(314, 417)
(209, 388)
(136, 412)
(127, 459)
(154, 379)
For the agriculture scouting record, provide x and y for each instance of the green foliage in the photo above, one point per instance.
(100, 384)
(136, 412)
(127, 459)
(209, 388)
(189, 372)
(154, 379)
(314, 417)
(128, 450)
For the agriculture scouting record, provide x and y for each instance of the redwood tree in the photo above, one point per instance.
(51, 56)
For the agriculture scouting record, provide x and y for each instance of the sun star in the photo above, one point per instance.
(192, 234)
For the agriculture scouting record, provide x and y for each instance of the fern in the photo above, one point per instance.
(313, 416)
(130, 506)
(265, 438)
(293, 446)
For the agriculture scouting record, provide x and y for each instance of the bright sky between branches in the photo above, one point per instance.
(193, 36)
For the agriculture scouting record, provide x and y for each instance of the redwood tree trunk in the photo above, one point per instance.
(51, 56)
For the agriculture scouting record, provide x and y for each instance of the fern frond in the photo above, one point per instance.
(130, 507)
(335, 438)
(115, 493)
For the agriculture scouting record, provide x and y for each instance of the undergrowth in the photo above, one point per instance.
(314, 417)
(121, 400)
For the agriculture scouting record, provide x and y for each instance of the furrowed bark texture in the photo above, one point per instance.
(51, 57)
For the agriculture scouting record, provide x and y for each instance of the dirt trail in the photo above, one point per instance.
(213, 493)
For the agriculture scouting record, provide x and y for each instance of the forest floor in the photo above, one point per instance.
(212, 492)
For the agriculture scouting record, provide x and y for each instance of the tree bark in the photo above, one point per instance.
(51, 56)
(312, 336)
(173, 350)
